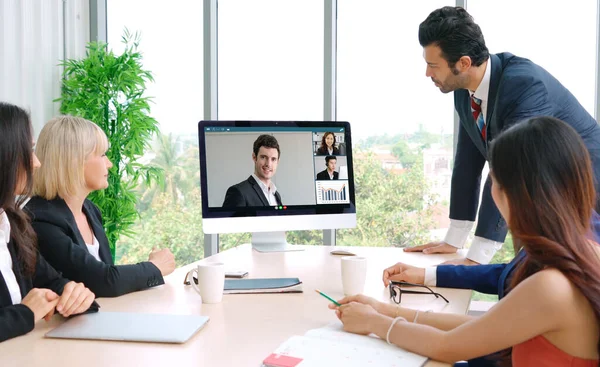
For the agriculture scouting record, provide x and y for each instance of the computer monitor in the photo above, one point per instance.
(301, 187)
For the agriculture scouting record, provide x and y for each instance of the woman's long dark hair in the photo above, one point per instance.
(324, 144)
(545, 170)
(15, 161)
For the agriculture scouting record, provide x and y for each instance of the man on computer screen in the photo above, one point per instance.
(329, 173)
(258, 189)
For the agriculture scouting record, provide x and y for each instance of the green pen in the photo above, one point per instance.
(329, 298)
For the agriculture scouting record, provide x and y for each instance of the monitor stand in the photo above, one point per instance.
(272, 242)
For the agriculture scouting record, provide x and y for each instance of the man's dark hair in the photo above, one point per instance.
(455, 32)
(267, 141)
(328, 158)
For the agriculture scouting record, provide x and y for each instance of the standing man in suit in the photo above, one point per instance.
(491, 93)
(329, 173)
(258, 189)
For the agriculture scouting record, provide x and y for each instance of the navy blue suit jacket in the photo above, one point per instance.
(519, 89)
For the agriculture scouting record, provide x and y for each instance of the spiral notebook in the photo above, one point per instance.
(331, 346)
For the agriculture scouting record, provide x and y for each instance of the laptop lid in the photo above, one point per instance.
(124, 326)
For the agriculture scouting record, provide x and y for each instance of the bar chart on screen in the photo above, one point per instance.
(332, 192)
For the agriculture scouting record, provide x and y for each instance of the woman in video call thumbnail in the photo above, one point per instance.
(328, 145)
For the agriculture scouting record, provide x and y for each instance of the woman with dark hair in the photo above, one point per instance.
(30, 289)
(328, 145)
(542, 183)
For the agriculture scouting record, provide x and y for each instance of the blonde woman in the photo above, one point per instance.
(69, 226)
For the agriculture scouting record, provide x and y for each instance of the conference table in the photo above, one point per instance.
(243, 329)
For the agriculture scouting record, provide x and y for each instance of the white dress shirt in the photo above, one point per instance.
(6, 261)
(269, 191)
(482, 250)
(94, 248)
(483, 90)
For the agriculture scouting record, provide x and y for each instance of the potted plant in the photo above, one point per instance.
(108, 89)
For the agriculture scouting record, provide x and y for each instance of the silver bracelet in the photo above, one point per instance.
(387, 337)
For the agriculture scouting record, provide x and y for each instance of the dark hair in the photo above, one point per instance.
(15, 159)
(545, 170)
(267, 141)
(323, 144)
(328, 158)
(455, 32)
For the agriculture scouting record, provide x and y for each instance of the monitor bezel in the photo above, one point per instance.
(314, 209)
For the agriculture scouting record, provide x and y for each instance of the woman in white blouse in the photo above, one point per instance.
(30, 289)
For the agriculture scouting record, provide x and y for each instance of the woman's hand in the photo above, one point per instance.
(41, 302)
(357, 317)
(382, 308)
(359, 298)
(75, 299)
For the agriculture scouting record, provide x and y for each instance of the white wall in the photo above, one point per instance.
(32, 44)
(77, 28)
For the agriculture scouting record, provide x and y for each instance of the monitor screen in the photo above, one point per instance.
(267, 176)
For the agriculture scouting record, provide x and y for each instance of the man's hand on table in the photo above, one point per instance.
(404, 273)
(440, 247)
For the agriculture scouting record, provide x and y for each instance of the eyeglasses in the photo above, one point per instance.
(396, 291)
(187, 280)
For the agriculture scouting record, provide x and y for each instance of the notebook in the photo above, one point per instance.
(332, 346)
(264, 285)
(124, 326)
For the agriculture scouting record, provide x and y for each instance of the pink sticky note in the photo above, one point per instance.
(281, 360)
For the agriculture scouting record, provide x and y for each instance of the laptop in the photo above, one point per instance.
(135, 327)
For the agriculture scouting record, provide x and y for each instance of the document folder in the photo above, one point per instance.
(263, 285)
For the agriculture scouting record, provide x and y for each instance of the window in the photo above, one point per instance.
(400, 121)
(559, 37)
(270, 67)
(171, 44)
(270, 60)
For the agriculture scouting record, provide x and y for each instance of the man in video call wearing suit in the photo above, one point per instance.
(329, 173)
(258, 189)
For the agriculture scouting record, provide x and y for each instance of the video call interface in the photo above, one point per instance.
(311, 168)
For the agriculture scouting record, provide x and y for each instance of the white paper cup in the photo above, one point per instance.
(354, 273)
